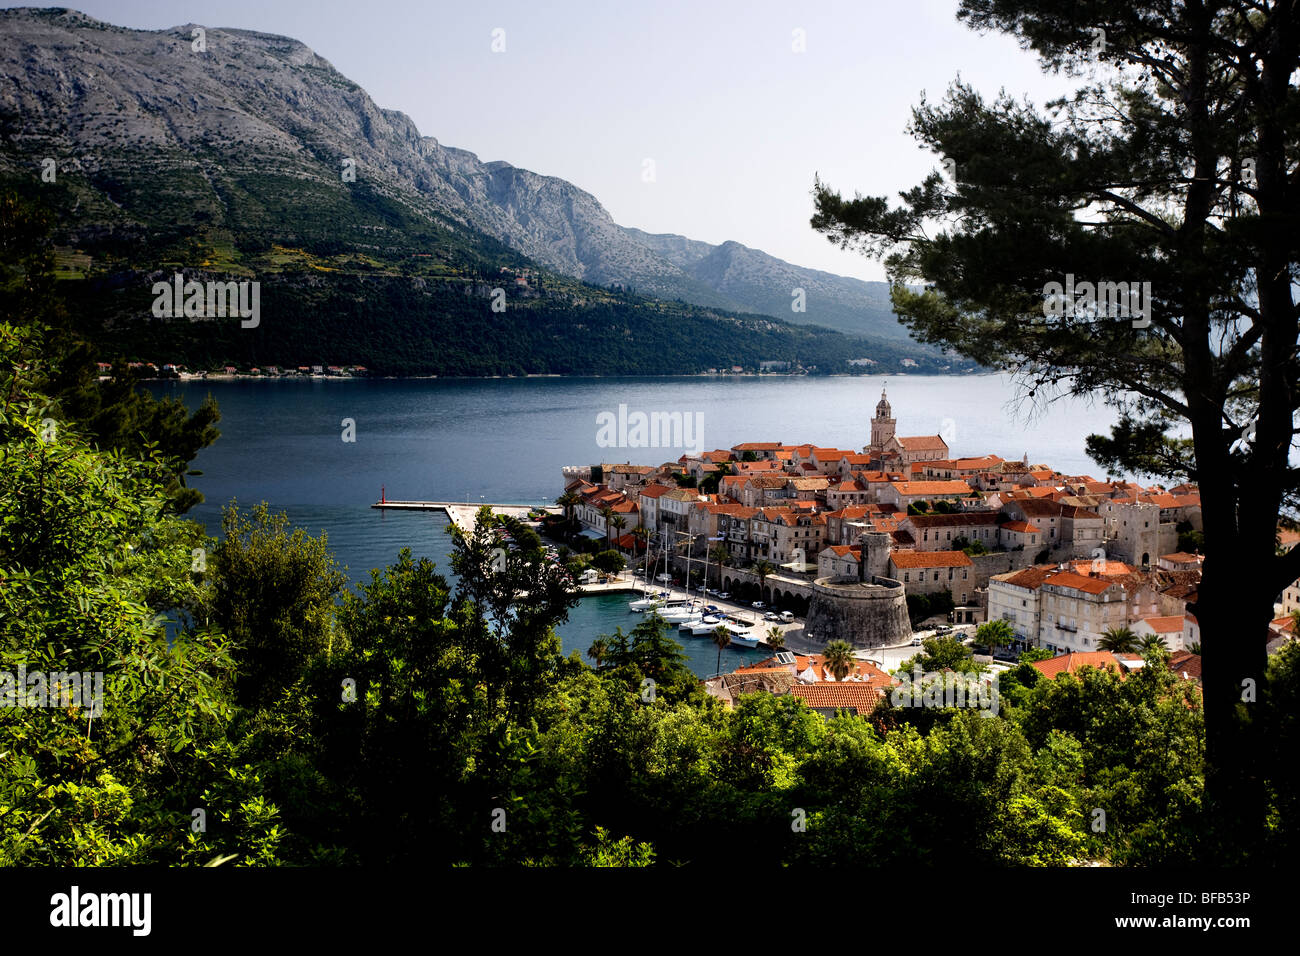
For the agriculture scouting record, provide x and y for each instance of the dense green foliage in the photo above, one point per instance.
(922, 606)
(400, 325)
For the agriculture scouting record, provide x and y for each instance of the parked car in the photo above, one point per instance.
(916, 642)
(758, 605)
(723, 595)
(786, 616)
(771, 616)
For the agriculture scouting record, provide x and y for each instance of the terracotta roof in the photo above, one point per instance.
(1077, 582)
(1186, 664)
(923, 442)
(758, 446)
(1165, 625)
(1023, 527)
(856, 697)
(1030, 578)
(630, 469)
(853, 512)
(1070, 663)
(1107, 568)
(933, 488)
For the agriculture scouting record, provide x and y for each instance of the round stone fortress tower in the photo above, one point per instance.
(866, 611)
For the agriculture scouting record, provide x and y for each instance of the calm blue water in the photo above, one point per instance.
(505, 441)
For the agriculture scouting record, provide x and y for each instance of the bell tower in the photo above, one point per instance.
(882, 426)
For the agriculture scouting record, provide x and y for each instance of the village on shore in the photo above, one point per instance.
(1067, 561)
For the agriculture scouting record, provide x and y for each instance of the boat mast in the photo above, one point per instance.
(645, 585)
(690, 538)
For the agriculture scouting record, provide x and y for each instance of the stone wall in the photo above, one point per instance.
(999, 562)
(864, 614)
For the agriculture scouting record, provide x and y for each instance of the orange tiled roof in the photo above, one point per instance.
(1186, 664)
(1031, 578)
(1023, 527)
(1106, 567)
(923, 442)
(861, 698)
(1077, 582)
(933, 488)
(1070, 663)
(1172, 624)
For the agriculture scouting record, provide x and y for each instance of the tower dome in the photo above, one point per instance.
(882, 426)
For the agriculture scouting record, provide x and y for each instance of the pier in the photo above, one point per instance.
(461, 514)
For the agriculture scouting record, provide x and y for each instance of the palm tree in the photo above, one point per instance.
(721, 637)
(995, 633)
(775, 638)
(607, 513)
(838, 658)
(763, 568)
(1154, 642)
(598, 650)
(618, 523)
(568, 501)
(1195, 648)
(1118, 640)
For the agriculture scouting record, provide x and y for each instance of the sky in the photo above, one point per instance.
(734, 121)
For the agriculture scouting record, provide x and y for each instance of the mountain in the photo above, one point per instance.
(241, 153)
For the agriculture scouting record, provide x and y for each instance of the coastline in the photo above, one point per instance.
(227, 377)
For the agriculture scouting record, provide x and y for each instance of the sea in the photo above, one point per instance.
(506, 441)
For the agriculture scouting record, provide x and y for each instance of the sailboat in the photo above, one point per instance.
(650, 601)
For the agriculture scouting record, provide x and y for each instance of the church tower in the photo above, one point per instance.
(882, 426)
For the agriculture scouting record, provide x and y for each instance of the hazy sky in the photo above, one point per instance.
(735, 121)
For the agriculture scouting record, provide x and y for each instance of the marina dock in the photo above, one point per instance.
(462, 514)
